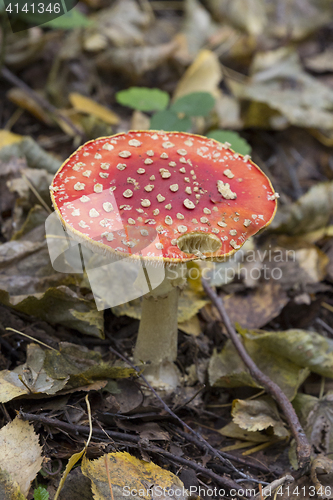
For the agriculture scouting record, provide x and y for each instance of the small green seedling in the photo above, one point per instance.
(175, 117)
(41, 494)
(143, 99)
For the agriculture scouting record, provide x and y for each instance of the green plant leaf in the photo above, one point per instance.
(143, 98)
(67, 21)
(237, 142)
(72, 19)
(169, 121)
(194, 104)
(41, 494)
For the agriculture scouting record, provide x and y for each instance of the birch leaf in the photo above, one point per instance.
(126, 471)
(21, 453)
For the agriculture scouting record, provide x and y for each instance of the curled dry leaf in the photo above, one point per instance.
(257, 415)
(322, 476)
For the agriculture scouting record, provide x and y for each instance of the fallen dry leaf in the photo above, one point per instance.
(21, 453)
(85, 105)
(257, 415)
(204, 75)
(257, 308)
(126, 473)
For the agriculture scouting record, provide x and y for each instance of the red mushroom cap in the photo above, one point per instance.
(170, 196)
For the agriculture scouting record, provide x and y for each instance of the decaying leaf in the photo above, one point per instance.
(316, 417)
(125, 473)
(304, 348)
(33, 373)
(257, 308)
(81, 365)
(226, 369)
(59, 305)
(11, 386)
(257, 415)
(21, 453)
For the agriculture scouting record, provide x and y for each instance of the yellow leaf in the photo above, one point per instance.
(25, 101)
(7, 138)
(204, 75)
(10, 386)
(85, 105)
(21, 453)
(71, 462)
(123, 473)
(191, 326)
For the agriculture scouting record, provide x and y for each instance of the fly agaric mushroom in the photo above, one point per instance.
(201, 198)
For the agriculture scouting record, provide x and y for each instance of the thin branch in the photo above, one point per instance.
(10, 77)
(303, 447)
(229, 456)
(132, 441)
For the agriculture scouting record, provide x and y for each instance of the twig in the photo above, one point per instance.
(36, 193)
(31, 338)
(303, 447)
(10, 77)
(229, 456)
(132, 441)
(205, 443)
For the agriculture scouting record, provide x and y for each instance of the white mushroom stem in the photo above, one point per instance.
(157, 337)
